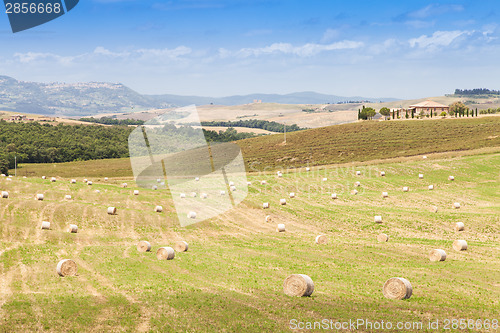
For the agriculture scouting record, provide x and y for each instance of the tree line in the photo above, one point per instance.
(271, 126)
(477, 91)
(112, 121)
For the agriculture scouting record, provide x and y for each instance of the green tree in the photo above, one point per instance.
(457, 108)
(385, 111)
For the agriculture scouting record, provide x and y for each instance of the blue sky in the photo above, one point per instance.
(403, 49)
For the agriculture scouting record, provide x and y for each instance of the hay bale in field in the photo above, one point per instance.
(183, 195)
(136, 192)
(437, 255)
(158, 180)
(73, 228)
(298, 285)
(325, 179)
(434, 209)
(67, 197)
(89, 183)
(97, 191)
(165, 253)
(233, 188)
(45, 225)
(382, 238)
(39, 197)
(263, 182)
(53, 179)
(431, 187)
(280, 227)
(334, 196)
(158, 209)
(451, 178)
(143, 246)
(105, 179)
(459, 226)
(456, 205)
(308, 169)
(265, 205)
(85, 180)
(73, 181)
(249, 183)
(358, 173)
(197, 179)
(460, 245)
(292, 195)
(154, 187)
(357, 184)
(222, 192)
(43, 177)
(269, 218)
(385, 194)
(424, 157)
(321, 239)
(203, 195)
(124, 185)
(282, 202)
(112, 210)
(4, 175)
(406, 189)
(193, 194)
(420, 176)
(397, 288)
(191, 215)
(231, 184)
(5, 194)
(181, 246)
(66, 267)
(354, 192)
(382, 173)
(378, 219)
(280, 175)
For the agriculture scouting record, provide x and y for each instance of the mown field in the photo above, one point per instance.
(357, 142)
(231, 279)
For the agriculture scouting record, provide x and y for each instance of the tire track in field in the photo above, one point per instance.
(26, 290)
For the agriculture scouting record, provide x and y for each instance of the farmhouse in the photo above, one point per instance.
(429, 106)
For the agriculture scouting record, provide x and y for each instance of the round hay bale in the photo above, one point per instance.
(203, 195)
(231, 184)
(73, 228)
(191, 215)
(434, 209)
(325, 179)
(73, 181)
(334, 196)
(280, 175)
(385, 194)
(158, 209)
(193, 194)
(460, 245)
(154, 187)
(89, 183)
(269, 218)
(431, 187)
(456, 205)
(43, 177)
(67, 197)
(282, 202)
(39, 197)
(53, 179)
(420, 176)
(183, 195)
(378, 219)
(85, 180)
(197, 179)
(265, 205)
(66, 267)
(222, 192)
(292, 195)
(451, 178)
(298, 285)
(437, 255)
(249, 183)
(158, 180)
(97, 191)
(382, 173)
(358, 173)
(382, 238)
(45, 225)
(354, 192)
(136, 192)
(5, 194)
(112, 210)
(424, 157)
(459, 226)
(308, 169)
(165, 253)
(280, 227)
(4, 175)
(397, 288)
(406, 189)
(321, 239)
(233, 188)
(105, 179)
(263, 182)
(143, 246)
(181, 246)
(124, 185)
(357, 184)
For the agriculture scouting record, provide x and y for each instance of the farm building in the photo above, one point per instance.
(429, 106)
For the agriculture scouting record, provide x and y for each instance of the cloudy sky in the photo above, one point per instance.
(402, 49)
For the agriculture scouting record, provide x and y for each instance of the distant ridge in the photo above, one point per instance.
(93, 98)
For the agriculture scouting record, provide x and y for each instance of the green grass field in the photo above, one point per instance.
(231, 279)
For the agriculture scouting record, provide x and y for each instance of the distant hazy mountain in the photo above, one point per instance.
(81, 99)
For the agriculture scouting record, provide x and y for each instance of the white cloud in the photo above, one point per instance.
(434, 10)
(329, 35)
(438, 38)
(31, 57)
(105, 52)
(165, 53)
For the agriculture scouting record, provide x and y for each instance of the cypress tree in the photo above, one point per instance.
(476, 112)
(467, 113)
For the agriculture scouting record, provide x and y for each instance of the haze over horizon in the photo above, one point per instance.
(221, 48)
